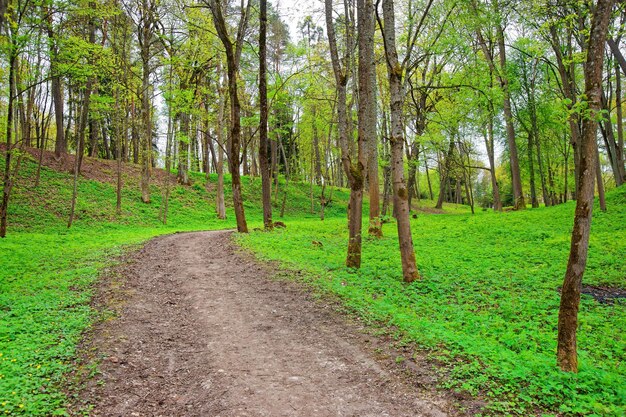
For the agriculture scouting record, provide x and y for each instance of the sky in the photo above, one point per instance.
(293, 11)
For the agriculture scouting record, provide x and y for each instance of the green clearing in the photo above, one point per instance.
(47, 272)
(486, 307)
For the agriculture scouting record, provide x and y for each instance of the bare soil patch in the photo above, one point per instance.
(96, 169)
(605, 295)
(204, 330)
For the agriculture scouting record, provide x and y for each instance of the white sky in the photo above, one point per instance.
(293, 11)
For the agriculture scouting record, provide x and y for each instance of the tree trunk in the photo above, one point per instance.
(572, 283)
(266, 184)
(600, 182)
(430, 187)
(60, 146)
(220, 205)
(611, 145)
(443, 175)
(518, 193)
(395, 72)
(8, 178)
(618, 111)
(183, 150)
(146, 154)
(367, 108)
(232, 62)
(82, 125)
(355, 171)
(500, 72)
(489, 143)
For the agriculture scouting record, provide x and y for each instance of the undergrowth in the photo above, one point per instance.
(488, 300)
(485, 308)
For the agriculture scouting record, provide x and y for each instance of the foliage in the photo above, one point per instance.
(488, 303)
(47, 272)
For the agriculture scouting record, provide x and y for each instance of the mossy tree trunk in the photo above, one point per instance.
(570, 296)
(400, 193)
(233, 55)
(354, 171)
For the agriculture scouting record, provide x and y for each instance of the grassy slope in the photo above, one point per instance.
(487, 303)
(47, 271)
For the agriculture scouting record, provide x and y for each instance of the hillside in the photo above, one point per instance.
(484, 311)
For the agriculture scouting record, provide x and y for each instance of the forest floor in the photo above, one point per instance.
(203, 329)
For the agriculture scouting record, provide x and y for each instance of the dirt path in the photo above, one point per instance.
(205, 332)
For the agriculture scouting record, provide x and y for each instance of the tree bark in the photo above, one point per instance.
(232, 62)
(500, 72)
(367, 108)
(8, 178)
(266, 185)
(60, 146)
(395, 72)
(618, 112)
(183, 149)
(145, 38)
(570, 296)
(355, 171)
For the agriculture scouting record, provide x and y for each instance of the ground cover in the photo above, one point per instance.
(488, 300)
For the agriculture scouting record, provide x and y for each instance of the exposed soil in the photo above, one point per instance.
(204, 330)
(605, 295)
(96, 169)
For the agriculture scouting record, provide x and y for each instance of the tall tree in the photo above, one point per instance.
(367, 108)
(233, 57)
(395, 72)
(263, 142)
(570, 296)
(60, 147)
(355, 171)
(499, 68)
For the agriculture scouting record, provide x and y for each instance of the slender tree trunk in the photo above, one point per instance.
(220, 205)
(412, 159)
(355, 171)
(80, 148)
(266, 184)
(395, 72)
(367, 108)
(489, 143)
(84, 119)
(444, 175)
(60, 146)
(232, 62)
(430, 187)
(500, 72)
(183, 149)
(612, 145)
(618, 112)
(146, 155)
(120, 130)
(518, 193)
(8, 178)
(367, 105)
(570, 296)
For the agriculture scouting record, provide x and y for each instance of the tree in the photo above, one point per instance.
(570, 295)
(355, 171)
(263, 141)
(395, 72)
(367, 108)
(233, 57)
(499, 68)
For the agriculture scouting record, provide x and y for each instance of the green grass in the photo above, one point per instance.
(486, 307)
(487, 304)
(47, 272)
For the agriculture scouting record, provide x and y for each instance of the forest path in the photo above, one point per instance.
(205, 331)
